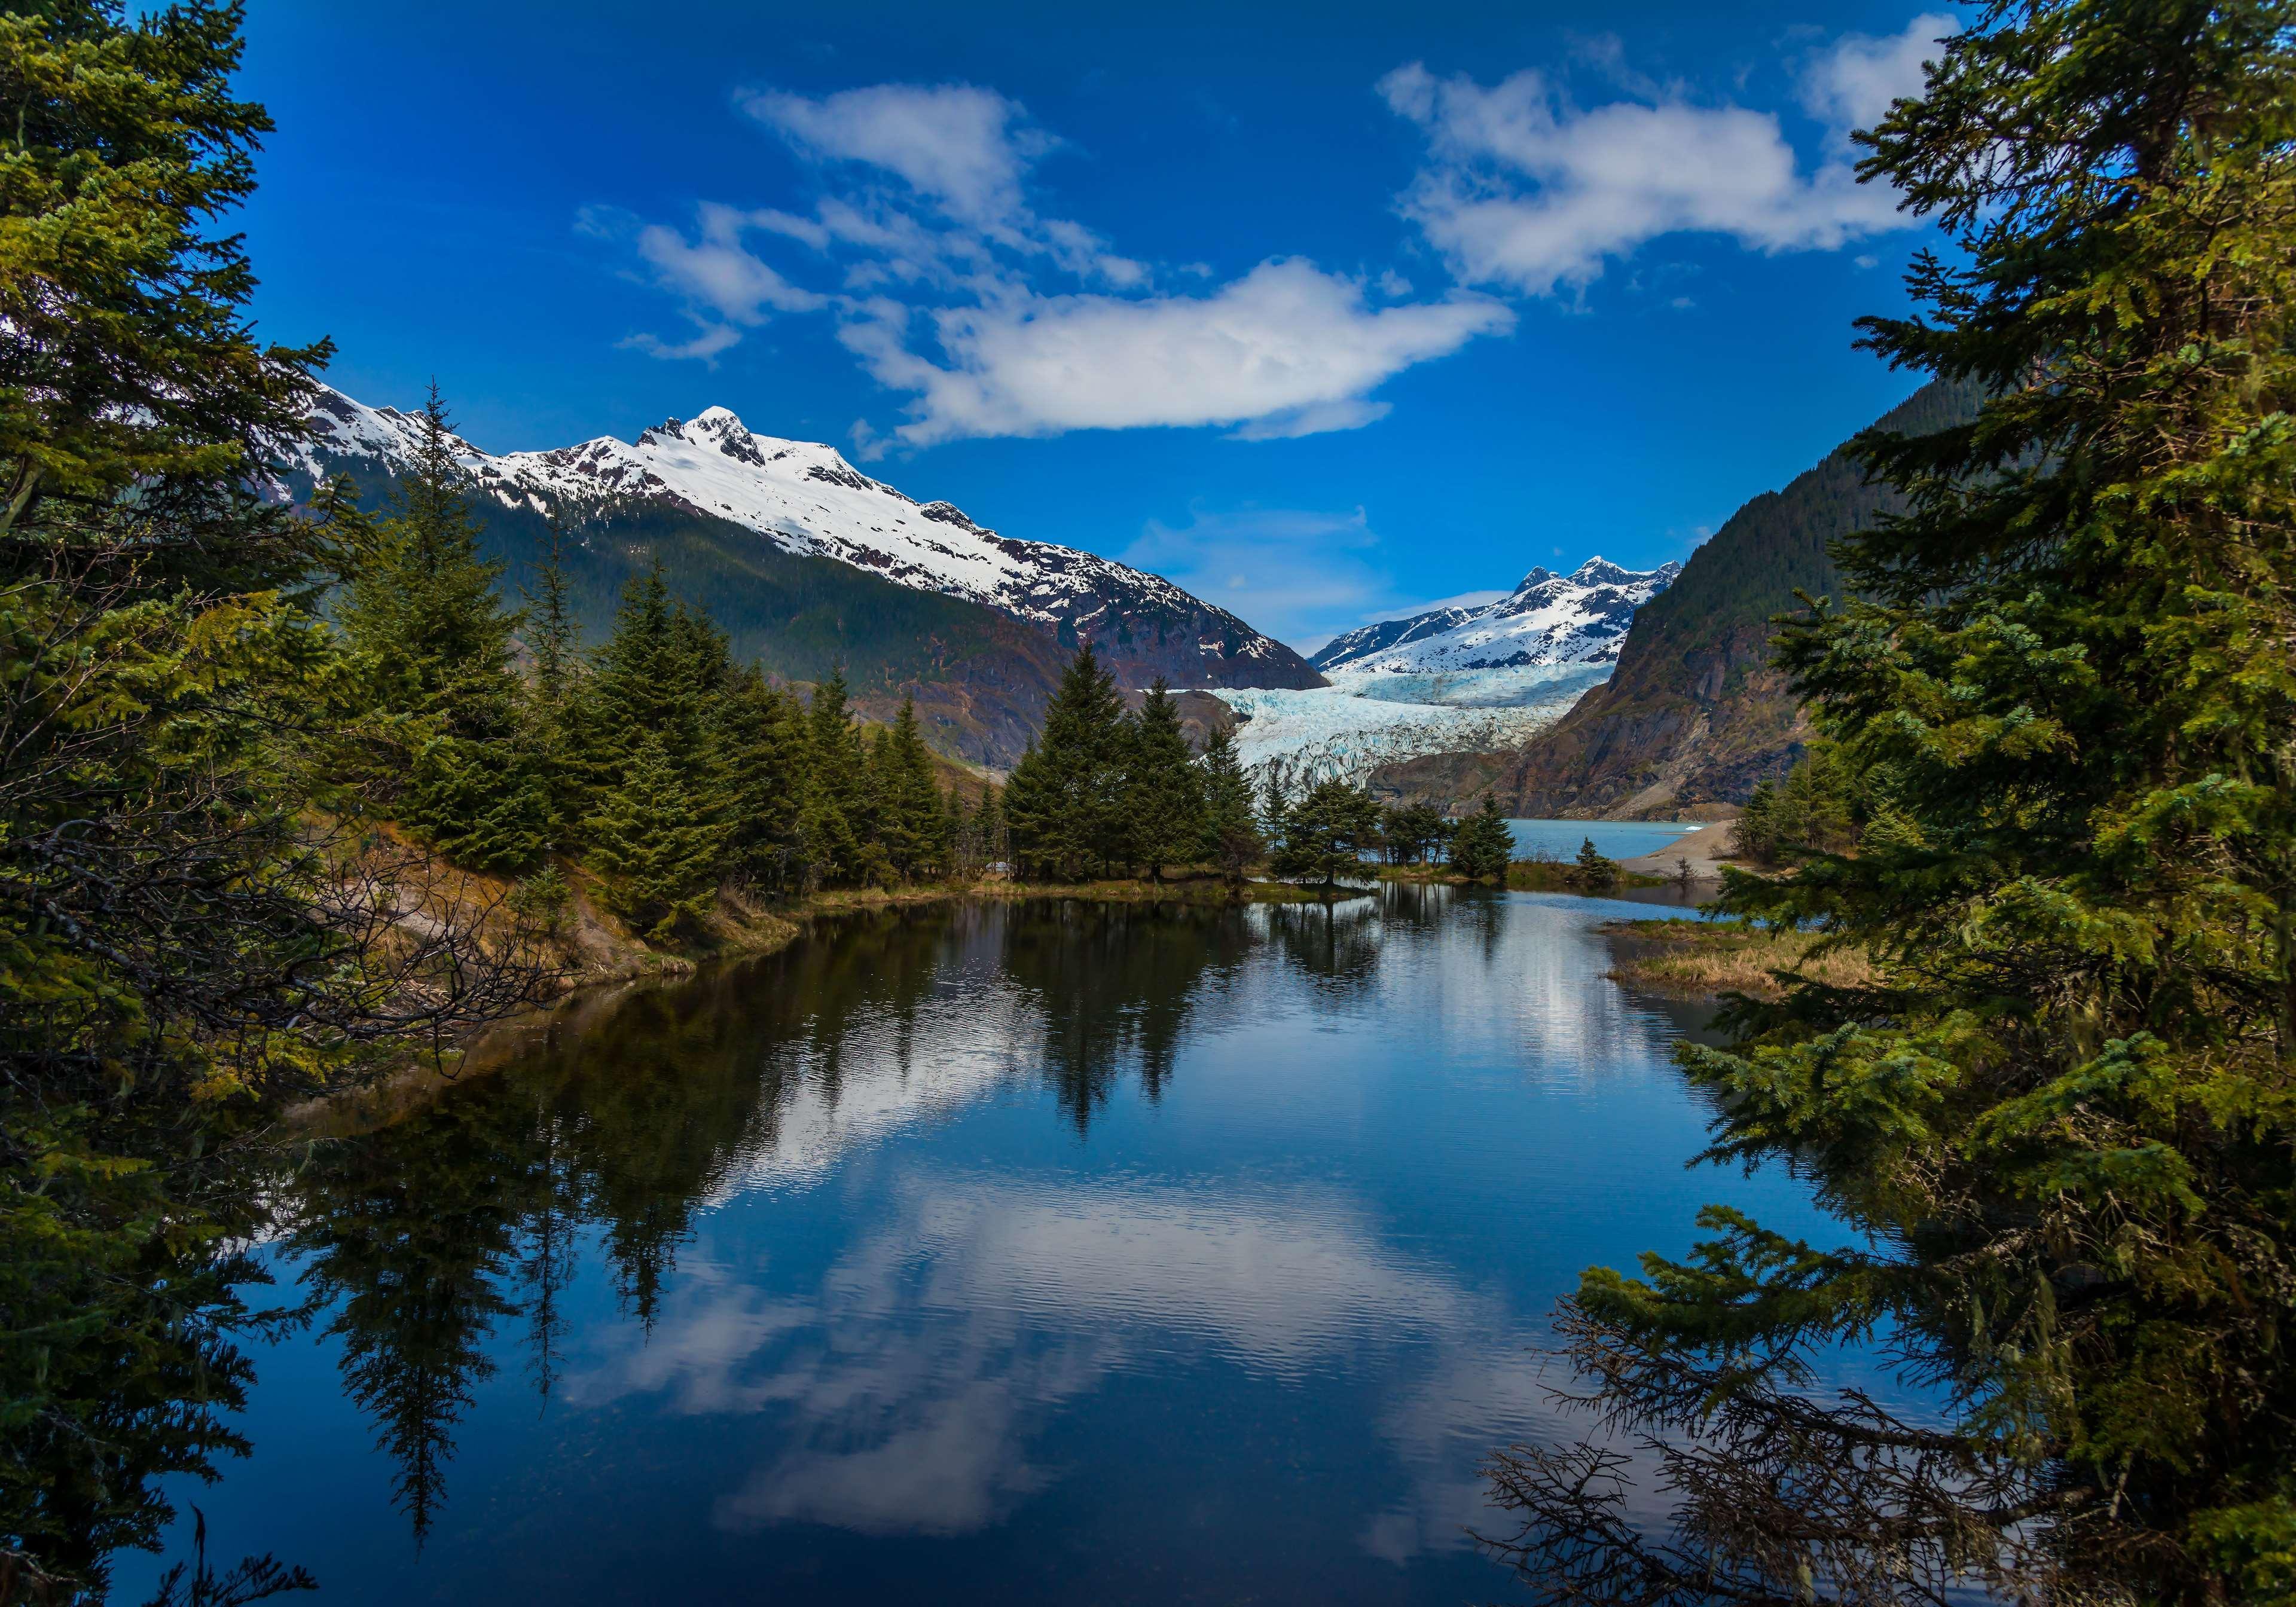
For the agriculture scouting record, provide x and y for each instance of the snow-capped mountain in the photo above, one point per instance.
(1575, 618)
(806, 499)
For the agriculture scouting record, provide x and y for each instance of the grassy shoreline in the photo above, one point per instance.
(1705, 959)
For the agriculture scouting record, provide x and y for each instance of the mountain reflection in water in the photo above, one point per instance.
(995, 1252)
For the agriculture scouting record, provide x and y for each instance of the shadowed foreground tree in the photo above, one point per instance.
(192, 926)
(2064, 1116)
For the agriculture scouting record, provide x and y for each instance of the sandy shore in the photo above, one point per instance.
(1706, 848)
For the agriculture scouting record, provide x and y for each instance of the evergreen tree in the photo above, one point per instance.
(1064, 803)
(1326, 833)
(179, 955)
(2060, 1120)
(1593, 870)
(1274, 802)
(989, 823)
(1231, 833)
(433, 643)
(1413, 832)
(763, 737)
(550, 728)
(912, 821)
(1163, 788)
(1481, 845)
(654, 843)
(838, 817)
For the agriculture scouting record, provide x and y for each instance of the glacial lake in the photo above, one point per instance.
(980, 1253)
(1614, 839)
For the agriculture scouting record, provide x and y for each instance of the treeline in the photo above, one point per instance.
(1105, 792)
(655, 761)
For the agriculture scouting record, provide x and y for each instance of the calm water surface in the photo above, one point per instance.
(1615, 838)
(990, 1253)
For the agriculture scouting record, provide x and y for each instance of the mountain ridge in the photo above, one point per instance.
(907, 598)
(1548, 619)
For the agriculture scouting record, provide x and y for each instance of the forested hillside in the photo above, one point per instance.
(812, 567)
(1695, 714)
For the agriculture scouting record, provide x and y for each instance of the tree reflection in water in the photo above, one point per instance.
(421, 1237)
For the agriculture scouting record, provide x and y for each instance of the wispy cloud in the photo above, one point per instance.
(1285, 350)
(1527, 191)
(996, 318)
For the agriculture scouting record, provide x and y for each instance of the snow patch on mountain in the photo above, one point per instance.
(1576, 618)
(806, 499)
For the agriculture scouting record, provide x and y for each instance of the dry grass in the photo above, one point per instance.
(1700, 959)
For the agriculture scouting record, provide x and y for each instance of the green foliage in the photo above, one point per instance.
(1163, 788)
(764, 736)
(1816, 807)
(911, 816)
(2066, 694)
(1232, 838)
(1415, 834)
(1591, 870)
(1064, 806)
(431, 641)
(187, 934)
(655, 841)
(1326, 834)
(1481, 845)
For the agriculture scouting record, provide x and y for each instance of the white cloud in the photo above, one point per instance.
(707, 342)
(997, 320)
(965, 147)
(1526, 189)
(1851, 84)
(1287, 350)
(722, 282)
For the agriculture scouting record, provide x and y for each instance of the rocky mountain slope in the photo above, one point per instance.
(850, 572)
(1694, 715)
(1575, 618)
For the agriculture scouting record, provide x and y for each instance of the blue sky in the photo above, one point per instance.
(1326, 312)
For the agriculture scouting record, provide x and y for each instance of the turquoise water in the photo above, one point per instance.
(1615, 838)
(999, 1253)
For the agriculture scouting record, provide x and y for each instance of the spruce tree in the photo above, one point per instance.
(763, 739)
(652, 841)
(1163, 788)
(1481, 845)
(433, 643)
(912, 820)
(2061, 1117)
(1594, 871)
(550, 731)
(1326, 833)
(1232, 838)
(1064, 805)
(838, 815)
(185, 941)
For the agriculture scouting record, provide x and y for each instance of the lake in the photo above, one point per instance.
(1612, 839)
(988, 1253)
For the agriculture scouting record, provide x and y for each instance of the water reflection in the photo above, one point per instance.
(1112, 1246)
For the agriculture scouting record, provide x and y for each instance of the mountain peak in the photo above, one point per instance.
(806, 499)
(1600, 571)
(1549, 619)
